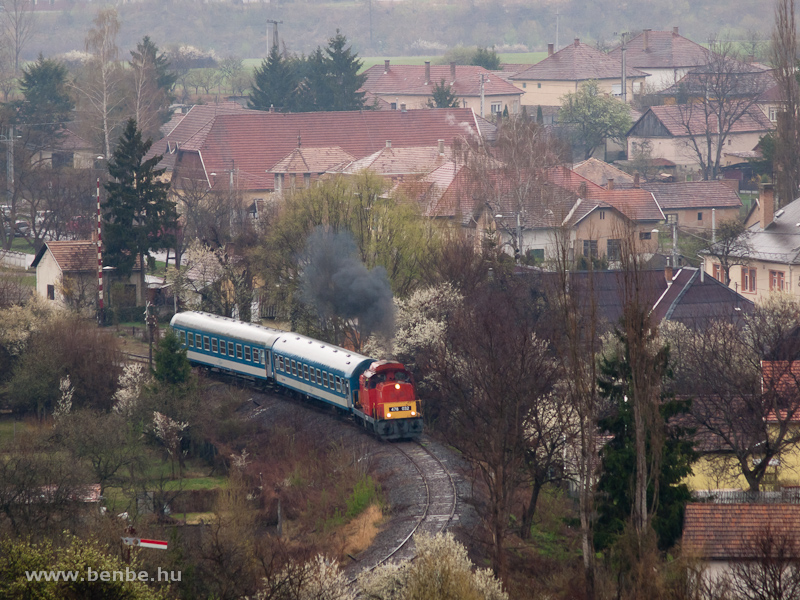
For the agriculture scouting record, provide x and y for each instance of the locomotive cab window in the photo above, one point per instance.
(213, 344)
(247, 352)
(205, 343)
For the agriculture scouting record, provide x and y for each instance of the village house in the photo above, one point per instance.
(666, 56)
(768, 254)
(303, 166)
(666, 132)
(696, 206)
(66, 274)
(563, 72)
(407, 87)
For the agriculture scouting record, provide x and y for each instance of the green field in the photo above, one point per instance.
(370, 61)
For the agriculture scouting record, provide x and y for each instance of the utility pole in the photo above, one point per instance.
(481, 94)
(274, 35)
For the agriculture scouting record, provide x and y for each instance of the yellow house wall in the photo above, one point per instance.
(679, 150)
(613, 226)
(687, 218)
(551, 92)
(474, 102)
(791, 278)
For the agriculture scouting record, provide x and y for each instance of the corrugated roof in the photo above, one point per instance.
(731, 531)
(664, 50)
(577, 62)
(409, 80)
(694, 194)
(251, 142)
(780, 242)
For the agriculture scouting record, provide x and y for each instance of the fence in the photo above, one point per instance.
(18, 260)
(785, 496)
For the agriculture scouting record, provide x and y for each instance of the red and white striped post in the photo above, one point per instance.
(100, 311)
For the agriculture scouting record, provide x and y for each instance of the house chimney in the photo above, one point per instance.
(582, 189)
(388, 143)
(636, 180)
(452, 73)
(646, 40)
(577, 42)
(549, 49)
(675, 31)
(668, 274)
(427, 72)
(441, 147)
(610, 183)
(766, 205)
(385, 67)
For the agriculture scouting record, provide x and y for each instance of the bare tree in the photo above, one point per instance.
(771, 570)
(784, 58)
(18, 26)
(99, 85)
(719, 94)
(732, 246)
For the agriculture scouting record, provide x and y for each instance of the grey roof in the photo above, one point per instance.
(780, 242)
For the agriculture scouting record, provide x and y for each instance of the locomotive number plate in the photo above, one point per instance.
(398, 408)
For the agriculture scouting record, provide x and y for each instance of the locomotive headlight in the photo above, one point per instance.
(413, 414)
(388, 415)
(397, 386)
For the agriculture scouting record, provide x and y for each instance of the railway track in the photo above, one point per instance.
(435, 510)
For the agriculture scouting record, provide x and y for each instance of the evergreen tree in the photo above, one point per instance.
(47, 104)
(138, 215)
(618, 456)
(488, 59)
(343, 80)
(172, 365)
(147, 53)
(442, 96)
(274, 83)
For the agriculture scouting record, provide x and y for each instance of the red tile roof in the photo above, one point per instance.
(635, 203)
(73, 256)
(409, 80)
(676, 117)
(732, 531)
(780, 376)
(665, 49)
(577, 62)
(600, 172)
(694, 194)
(251, 142)
(399, 161)
(190, 125)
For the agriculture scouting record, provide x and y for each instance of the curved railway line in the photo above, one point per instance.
(437, 500)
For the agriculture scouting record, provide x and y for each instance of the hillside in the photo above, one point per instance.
(398, 28)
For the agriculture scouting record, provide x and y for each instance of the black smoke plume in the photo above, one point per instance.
(337, 284)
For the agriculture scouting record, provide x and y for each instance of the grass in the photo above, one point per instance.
(21, 245)
(7, 429)
(196, 483)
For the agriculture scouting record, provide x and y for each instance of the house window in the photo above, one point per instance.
(393, 105)
(539, 85)
(524, 85)
(645, 235)
(307, 179)
(699, 216)
(717, 272)
(616, 89)
(672, 217)
(613, 249)
(773, 113)
(497, 107)
(590, 248)
(748, 279)
(278, 182)
(602, 215)
(776, 281)
(51, 292)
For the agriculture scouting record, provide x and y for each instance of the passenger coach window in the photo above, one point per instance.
(222, 347)
(294, 367)
(247, 352)
(238, 351)
(325, 379)
(191, 340)
(205, 342)
(280, 363)
(198, 340)
(183, 338)
(256, 352)
(213, 344)
(338, 385)
(319, 377)
(230, 348)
